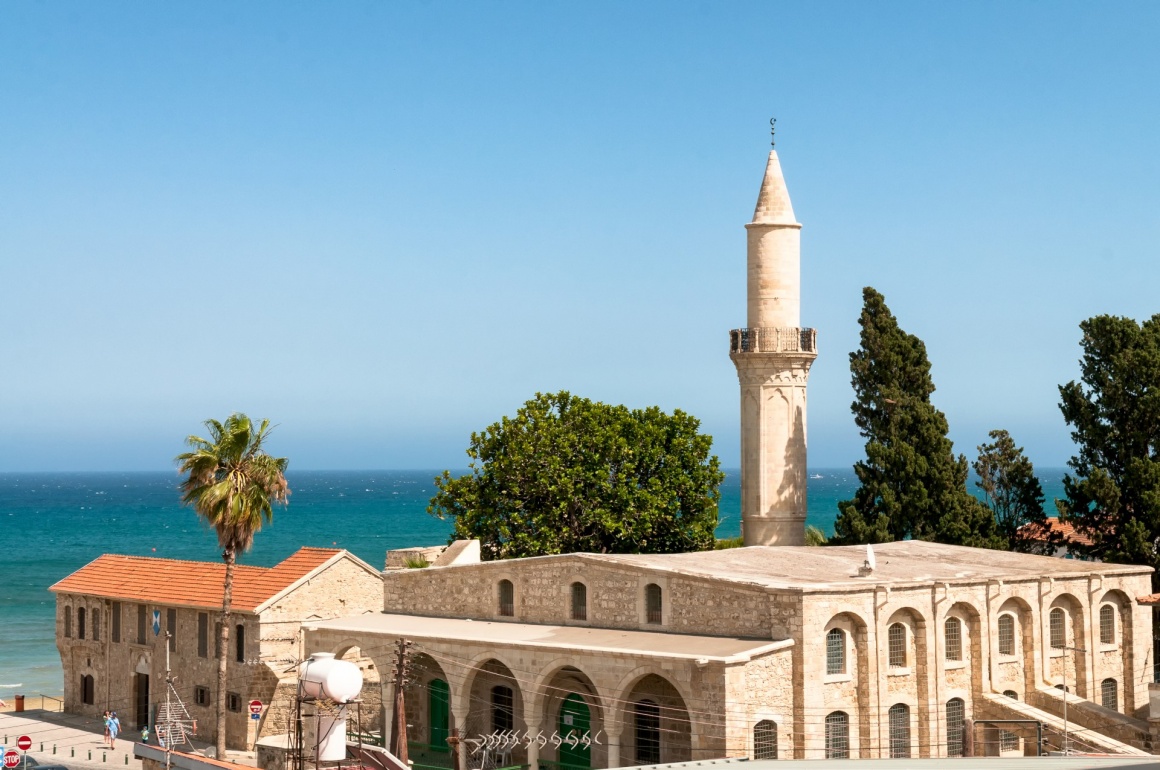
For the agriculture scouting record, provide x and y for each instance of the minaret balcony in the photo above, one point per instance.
(771, 339)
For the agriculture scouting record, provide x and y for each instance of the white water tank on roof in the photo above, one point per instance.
(324, 677)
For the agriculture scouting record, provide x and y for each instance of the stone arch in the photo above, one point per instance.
(1015, 672)
(429, 722)
(914, 688)
(967, 679)
(371, 712)
(857, 707)
(555, 695)
(653, 696)
(1126, 642)
(1067, 663)
(495, 703)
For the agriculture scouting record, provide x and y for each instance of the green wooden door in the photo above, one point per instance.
(575, 720)
(438, 714)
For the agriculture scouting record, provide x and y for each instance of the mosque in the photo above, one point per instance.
(774, 650)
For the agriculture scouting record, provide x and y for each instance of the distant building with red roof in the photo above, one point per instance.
(1060, 534)
(113, 615)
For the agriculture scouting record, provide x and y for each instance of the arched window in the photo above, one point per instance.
(503, 712)
(899, 731)
(241, 643)
(896, 639)
(1107, 624)
(1006, 634)
(1109, 694)
(954, 638)
(1011, 694)
(653, 603)
(579, 601)
(507, 598)
(97, 625)
(955, 715)
(68, 622)
(837, 735)
(87, 689)
(835, 651)
(647, 732)
(765, 740)
(1057, 622)
(81, 622)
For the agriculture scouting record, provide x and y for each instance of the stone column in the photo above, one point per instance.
(613, 748)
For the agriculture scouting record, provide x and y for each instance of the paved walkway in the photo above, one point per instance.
(77, 741)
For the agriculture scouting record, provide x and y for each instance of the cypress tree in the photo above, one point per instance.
(912, 484)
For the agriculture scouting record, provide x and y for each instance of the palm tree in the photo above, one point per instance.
(232, 485)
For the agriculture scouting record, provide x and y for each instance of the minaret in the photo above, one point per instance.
(773, 358)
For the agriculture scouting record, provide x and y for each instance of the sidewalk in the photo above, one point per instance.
(79, 741)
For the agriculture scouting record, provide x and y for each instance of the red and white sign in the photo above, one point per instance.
(24, 743)
(11, 759)
(255, 707)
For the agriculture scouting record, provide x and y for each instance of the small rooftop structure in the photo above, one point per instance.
(1054, 530)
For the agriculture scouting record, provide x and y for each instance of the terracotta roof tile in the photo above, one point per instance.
(1036, 531)
(189, 583)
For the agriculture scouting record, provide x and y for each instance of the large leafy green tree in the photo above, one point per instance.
(912, 484)
(232, 484)
(567, 474)
(1113, 492)
(1013, 492)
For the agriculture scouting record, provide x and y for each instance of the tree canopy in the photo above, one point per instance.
(912, 485)
(1113, 493)
(567, 474)
(1013, 492)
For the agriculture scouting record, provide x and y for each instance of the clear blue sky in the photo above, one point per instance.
(385, 225)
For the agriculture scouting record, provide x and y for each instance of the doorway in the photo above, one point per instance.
(575, 721)
(141, 696)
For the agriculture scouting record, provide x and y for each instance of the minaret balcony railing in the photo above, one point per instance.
(770, 339)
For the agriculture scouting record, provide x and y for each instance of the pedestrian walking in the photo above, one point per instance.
(114, 728)
(106, 717)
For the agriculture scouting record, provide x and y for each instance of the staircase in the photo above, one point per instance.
(1080, 737)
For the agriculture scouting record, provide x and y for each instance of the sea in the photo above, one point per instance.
(54, 523)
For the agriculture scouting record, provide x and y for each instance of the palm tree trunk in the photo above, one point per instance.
(229, 555)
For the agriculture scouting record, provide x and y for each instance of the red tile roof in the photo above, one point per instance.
(1149, 599)
(190, 583)
(1036, 531)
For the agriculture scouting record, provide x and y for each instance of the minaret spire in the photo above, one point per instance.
(773, 356)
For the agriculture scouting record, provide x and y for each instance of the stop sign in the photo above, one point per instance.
(255, 707)
(24, 743)
(11, 759)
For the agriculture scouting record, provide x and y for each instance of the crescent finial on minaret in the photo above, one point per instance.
(772, 131)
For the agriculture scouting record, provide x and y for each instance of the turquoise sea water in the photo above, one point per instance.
(53, 524)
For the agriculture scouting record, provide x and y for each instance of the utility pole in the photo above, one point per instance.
(399, 728)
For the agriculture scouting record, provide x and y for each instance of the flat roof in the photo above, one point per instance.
(905, 561)
(728, 649)
(1073, 762)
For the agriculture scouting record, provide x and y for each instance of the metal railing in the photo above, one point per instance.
(771, 339)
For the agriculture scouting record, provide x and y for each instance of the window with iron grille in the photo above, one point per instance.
(835, 651)
(955, 716)
(579, 601)
(896, 639)
(1107, 624)
(503, 711)
(117, 622)
(954, 638)
(647, 732)
(1006, 634)
(81, 616)
(765, 740)
(837, 735)
(201, 696)
(652, 603)
(1057, 622)
(1109, 694)
(899, 731)
(507, 598)
(1008, 741)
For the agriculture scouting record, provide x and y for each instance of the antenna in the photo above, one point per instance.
(173, 724)
(870, 556)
